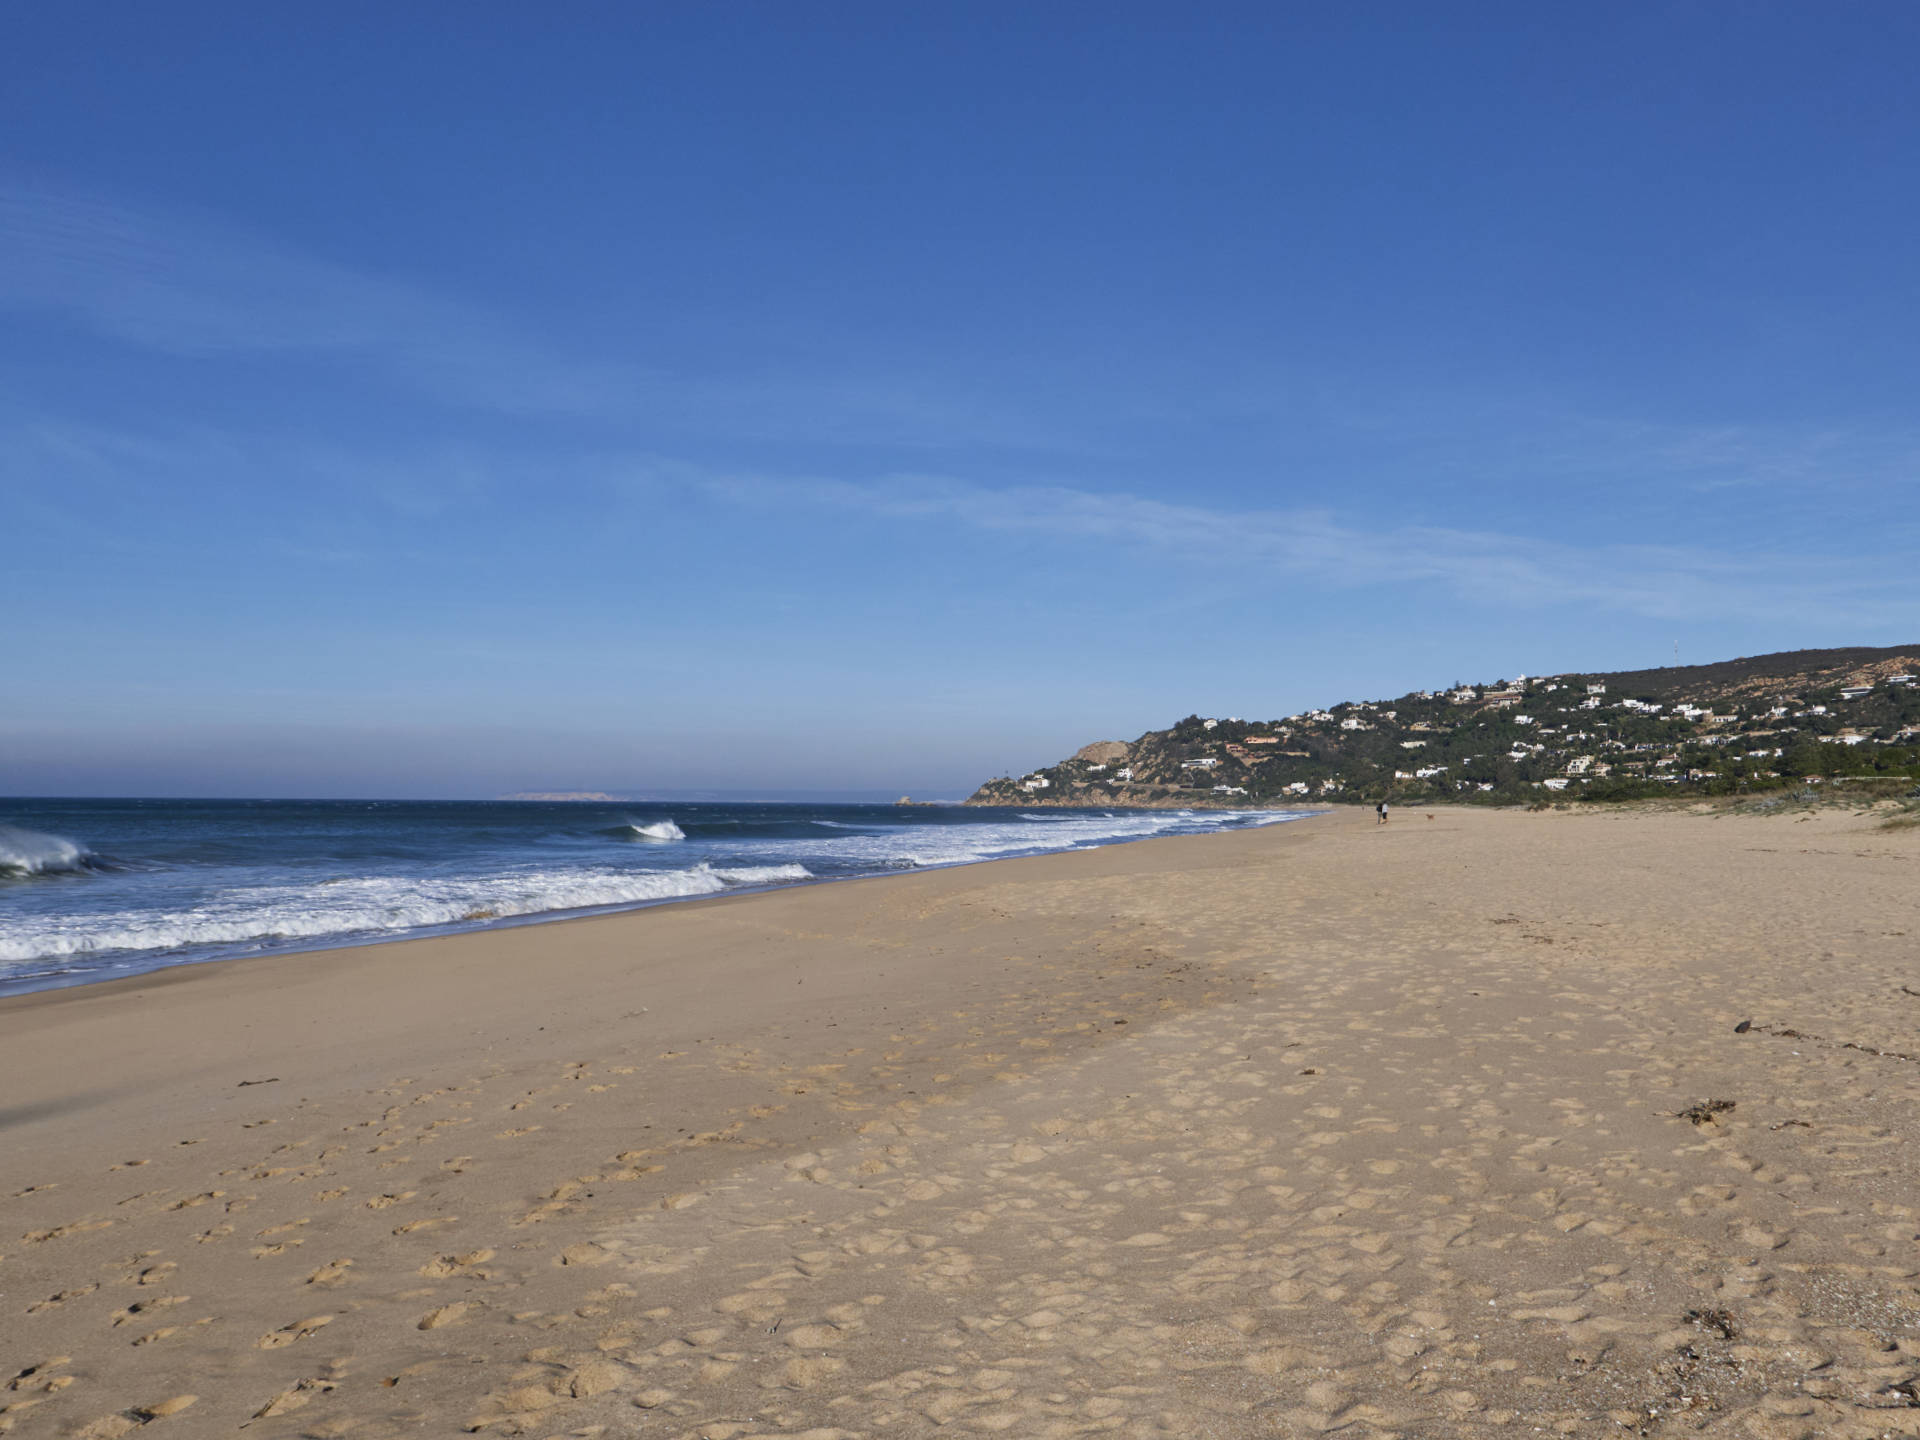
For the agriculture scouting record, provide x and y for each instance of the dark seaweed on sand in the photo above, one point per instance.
(1702, 1111)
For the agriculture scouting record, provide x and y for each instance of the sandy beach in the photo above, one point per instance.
(1442, 1128)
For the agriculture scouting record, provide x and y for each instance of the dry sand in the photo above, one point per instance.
(1324, 1129)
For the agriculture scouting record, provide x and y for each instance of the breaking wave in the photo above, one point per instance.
(657, 830)
(764, 874)
(28, 852)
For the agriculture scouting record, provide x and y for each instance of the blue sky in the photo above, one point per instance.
(484, 398)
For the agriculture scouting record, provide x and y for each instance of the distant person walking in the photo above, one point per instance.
(1381, 811)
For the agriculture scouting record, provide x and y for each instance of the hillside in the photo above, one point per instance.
(1745, 724)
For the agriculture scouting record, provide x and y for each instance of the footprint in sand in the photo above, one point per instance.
(60, 1299)
(60, 1232)
(294, 1397)
(445, 1315)
(164, 1408)
(287, 1334)
(144, 1308)
(42, 1376)
(332, 1273)
(429, 1223)
(449, 1265)
(109, 1427)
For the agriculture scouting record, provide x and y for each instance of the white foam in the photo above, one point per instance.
(659, 830)
(28, 852)
(930, 845)
(764, 874)
(288, 909)
(369, 906)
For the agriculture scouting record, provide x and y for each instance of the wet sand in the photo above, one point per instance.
(1323, 1129)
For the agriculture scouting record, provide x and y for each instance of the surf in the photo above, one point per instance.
(29, 852)
(350, 907)
(178, 881)
(661, 832)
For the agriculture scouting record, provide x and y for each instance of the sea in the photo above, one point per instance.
(94, 890)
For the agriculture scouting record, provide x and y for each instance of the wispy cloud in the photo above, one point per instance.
(1219, 551)
(1794, 464)
(1519, 439)
(193, 287)
(1659, 581)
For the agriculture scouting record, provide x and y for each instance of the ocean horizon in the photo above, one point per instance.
(100, 889)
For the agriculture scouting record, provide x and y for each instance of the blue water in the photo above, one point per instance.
(95, 889)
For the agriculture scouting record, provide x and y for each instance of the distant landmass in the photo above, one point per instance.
(1758, 722)
(654, 795)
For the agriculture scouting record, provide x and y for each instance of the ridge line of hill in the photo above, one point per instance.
(1797, 717)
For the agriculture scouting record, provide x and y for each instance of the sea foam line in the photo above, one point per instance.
(930, 846)
(372, 906)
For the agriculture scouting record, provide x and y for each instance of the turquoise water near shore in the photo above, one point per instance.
(95, 889)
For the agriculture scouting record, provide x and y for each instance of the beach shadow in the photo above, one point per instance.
(12, 1116)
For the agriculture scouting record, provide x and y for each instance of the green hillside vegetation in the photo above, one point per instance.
(1741, 726)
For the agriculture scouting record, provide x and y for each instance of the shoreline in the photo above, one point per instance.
(184, 970)
(1303, 1128)
(39, 982)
